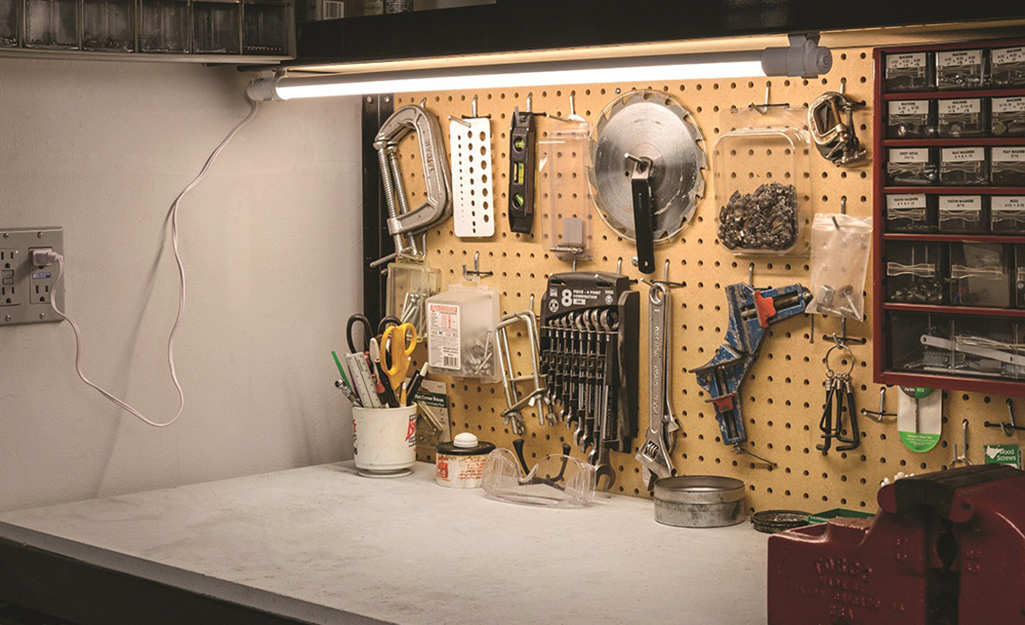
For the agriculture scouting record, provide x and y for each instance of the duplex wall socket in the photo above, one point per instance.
(26, 290)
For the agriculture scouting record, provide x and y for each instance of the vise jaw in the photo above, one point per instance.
(946, 548)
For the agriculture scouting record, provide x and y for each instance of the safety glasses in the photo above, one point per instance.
(556, 480)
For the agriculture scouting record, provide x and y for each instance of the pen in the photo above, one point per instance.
(345, 379)
(382, 377)
(414, 384)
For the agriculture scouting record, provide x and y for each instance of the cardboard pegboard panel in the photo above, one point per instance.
(783, 397)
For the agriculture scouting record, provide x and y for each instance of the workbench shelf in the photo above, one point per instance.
(899, 357)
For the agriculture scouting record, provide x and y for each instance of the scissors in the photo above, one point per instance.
(399, 351)
(368, 333)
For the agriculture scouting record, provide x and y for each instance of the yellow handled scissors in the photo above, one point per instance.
(399, 351)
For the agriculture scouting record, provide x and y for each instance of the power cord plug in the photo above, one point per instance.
(44, 257)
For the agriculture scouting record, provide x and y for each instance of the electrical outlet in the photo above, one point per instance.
(25, 289)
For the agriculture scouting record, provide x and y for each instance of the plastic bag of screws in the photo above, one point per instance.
(763, 220)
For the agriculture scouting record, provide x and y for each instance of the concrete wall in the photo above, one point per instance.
(271, 245)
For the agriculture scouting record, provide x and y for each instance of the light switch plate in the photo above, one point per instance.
(25, 290)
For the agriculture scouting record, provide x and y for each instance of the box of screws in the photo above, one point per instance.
(910, 119)
(1008, 117)
(961, 69)
(1008, 166)
(913, 71)
(915, 273)
(911, 212)
(962, 214)
(979, 275)
(1008, 67)
(911, 167)
(965, 117)
(1007, 214)
(964, 166)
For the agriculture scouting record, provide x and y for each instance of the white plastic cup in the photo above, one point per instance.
(384, 439)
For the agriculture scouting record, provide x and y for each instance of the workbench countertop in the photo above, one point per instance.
(324, 545)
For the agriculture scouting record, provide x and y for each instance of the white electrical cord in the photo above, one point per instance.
(49, 257)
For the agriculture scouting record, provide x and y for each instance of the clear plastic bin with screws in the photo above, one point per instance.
(915, 273)
(1008, 166)
(461, 326)
(911, 167)
(8, 24)
(1008, 67)
(108, 25)
(164, 26)
(1008, 117)
(979, 275)
(964, 167)
(216, 27)
(961, 69)
(1019, 276)
(1007, 214)
(910, 119)
(265, 28)
(51, 24)
(966, 117)
(913, 71)
(913, 212)
(962, 214)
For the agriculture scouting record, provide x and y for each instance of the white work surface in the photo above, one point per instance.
(322, 544)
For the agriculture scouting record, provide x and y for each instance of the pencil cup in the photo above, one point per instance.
(384, 440)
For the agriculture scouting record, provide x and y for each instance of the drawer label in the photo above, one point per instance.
(1008, 55)
(904, 61)
(1008, 202)
(960, 57)
(906, 201)
(959, 107)
(961, 202)
(963, 155)
(909, 107)
(1009, 155)
(909, 155)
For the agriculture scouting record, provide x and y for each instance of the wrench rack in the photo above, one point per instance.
(783, 393)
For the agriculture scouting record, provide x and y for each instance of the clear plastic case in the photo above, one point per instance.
(911, 167)
(164, 26)
(762, 190)
(409, 285)
(1008, 166)
(216, 27)
(461, 326)
(964, 167)
(912, 212)
(108, 25)
(564, 193)
(51, 24)
(912, 71)
(957, 345)
(966, 117)
(1019, 276)
(9, 24)
(916, 273)
(265, 28)
(961, 69)
(1008, 117)
(963, 214)
(910, 119)
(1008, 67)
(1007, 214)
(980, 275)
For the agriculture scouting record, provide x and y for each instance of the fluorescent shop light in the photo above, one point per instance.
(804, 57)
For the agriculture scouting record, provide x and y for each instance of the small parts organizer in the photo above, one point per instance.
(949, 299)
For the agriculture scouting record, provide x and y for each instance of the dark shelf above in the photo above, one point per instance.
(936, 94)
(955, 310)
(981, 189)
(949, 143)
(955, 238)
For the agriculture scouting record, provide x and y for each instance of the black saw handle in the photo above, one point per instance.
(644, 213)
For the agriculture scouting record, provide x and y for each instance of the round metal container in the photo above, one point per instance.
(699, 501)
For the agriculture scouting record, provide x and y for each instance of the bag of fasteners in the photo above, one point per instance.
(839, 262)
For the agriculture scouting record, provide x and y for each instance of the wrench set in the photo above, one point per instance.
(589, 348)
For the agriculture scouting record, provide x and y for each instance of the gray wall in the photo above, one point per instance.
(271, 245)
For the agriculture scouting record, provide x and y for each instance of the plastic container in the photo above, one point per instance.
(1008, 117)
(761, 187)
(912, 71)
(108, 25)
(384, 440)
(912, 212)
(961, 69)
(910, 119)
(906, 350)
(911, 167)
(164, 26)
(916, 273)
(1007, 214)
(963, 214)
(980, 275)
(965, 117)
(564, 195)
(216, 27)
(1007, 165)
(461, 332)
(9, 24)
(409, 285)
(51, 24)
(1008, 67)
(265, 28)
(961, 167)
(460, 463)
(1019, 276)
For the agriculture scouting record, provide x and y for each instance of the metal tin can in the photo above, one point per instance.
(460, 463)
(699, 501)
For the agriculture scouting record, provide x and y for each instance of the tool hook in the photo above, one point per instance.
(477, 273)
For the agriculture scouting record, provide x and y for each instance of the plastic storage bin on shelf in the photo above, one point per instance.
(164, 26)
(1008, 67)
(52, 24)
(911, 167)
(265, 28)
(966, 117)
(911, 212)
(1008, 117)
(1007, 165)
(916, 273)
(960, 167)
(1007, 214)
(980, 275)
(961, 69)
(108, 25)
(1019, 276)
(962, 214)
(9, 24)
(911, 71)
(216, 27)
(910, 119)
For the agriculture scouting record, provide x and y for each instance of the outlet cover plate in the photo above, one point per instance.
(24, 289)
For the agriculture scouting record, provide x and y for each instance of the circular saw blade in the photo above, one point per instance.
(653, 125)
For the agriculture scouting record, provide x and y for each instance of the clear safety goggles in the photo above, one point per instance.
(556, 480)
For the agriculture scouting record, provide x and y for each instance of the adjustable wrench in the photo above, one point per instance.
(658, 441)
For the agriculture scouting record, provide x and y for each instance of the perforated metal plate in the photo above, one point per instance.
(472, 201)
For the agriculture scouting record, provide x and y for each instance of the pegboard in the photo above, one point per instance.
(783, 396)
